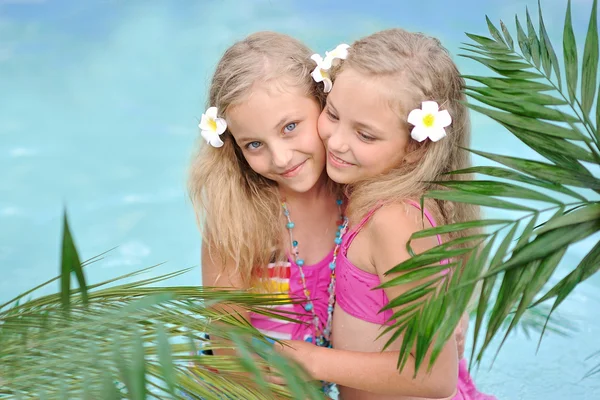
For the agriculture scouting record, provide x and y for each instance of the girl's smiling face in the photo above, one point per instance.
(277, 132)
(363, 134)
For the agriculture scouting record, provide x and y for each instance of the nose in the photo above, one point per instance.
(336, 142)
(281, 156)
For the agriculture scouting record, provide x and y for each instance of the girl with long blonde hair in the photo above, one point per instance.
(271, 220)
(394, 122)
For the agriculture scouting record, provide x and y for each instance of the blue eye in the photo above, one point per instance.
(290, 127)
(253, 145)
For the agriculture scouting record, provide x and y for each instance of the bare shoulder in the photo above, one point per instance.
(393, 224)
(399, 219)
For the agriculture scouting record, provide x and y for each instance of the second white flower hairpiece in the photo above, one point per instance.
(321, 71)
(211, 127)
(429, 122)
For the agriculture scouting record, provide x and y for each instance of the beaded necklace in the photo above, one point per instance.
(321, 338)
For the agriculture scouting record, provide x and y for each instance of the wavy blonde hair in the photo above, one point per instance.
(418, 68)
(239, 210)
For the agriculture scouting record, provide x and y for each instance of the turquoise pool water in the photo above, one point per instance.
(99, 103)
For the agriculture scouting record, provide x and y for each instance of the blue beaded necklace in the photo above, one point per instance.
(320, 337)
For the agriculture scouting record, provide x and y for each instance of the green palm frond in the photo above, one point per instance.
(133, 340)
(555, 197)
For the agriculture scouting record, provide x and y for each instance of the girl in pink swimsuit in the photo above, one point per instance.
(270, 216)
(394, 122)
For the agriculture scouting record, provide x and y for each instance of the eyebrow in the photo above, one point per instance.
(282, 121)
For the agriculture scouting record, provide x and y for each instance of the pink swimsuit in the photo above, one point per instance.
(285, 278)
(353, 285)
(354, 294)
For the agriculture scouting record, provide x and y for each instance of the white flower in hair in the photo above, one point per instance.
(211, 127)
(321, 71)
(429, 122)
(339, 53)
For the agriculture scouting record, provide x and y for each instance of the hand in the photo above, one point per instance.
(299, 351)
(460, 334)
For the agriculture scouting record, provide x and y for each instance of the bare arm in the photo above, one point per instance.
(461, 335)
(389, 232)
(376, 372)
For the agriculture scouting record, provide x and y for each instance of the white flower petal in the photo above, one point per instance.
(211, 112)
(316, 74)
(429, 107)
(317, 58)
(327, 61)
(221, 125)
(212, 138)
(332, 57)
(419, 133)
(443, 119)
(204, 123)
(436, 134)
(341, 51)
(216, 142)
(206, 135)
(415, 117)
(328, 85)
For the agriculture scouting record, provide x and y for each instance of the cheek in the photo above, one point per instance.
(383, 157)
(319, 153)
(312, 144)
(258, 163)
(323, 126)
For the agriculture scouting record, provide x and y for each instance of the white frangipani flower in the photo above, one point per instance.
(211, 127)
(321, 71)
(321, 74)
(429, 122)
(339, 53)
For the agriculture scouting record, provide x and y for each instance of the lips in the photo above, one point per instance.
(338, 162)
(293, 171)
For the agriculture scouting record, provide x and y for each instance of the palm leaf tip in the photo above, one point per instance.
(70, 264)
(590, 63)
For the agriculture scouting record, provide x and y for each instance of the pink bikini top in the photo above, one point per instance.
(354, 287)
(286, 278)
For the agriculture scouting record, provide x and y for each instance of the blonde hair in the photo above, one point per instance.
(418, 69)
(238, 209)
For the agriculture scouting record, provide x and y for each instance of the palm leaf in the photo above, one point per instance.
(494, 32)
(507, 36)
(534, 42)
(570, 53)
(70, 264)
(550, 195)
(509, 86)
(508, 174)
(590, 63)
(133, 340)
(531, 124)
